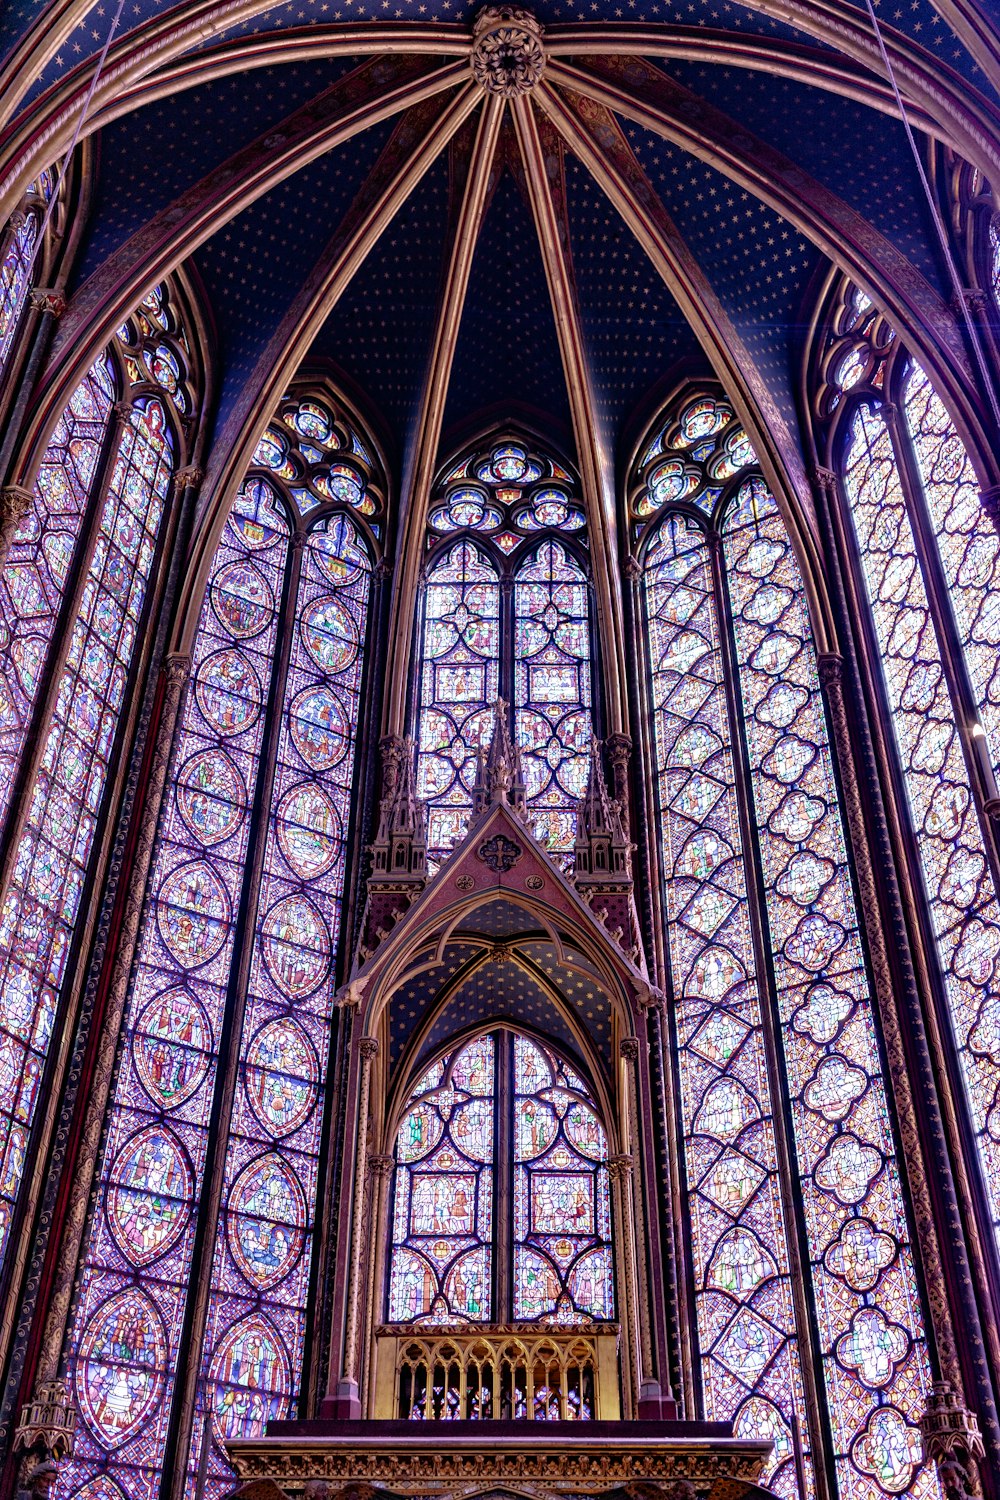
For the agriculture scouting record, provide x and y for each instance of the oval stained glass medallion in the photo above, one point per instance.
(330, 633)
(228, 692)
(119, 1369)
(192, 913)
(149, 1195)
(309, 830)
(172, 1047)
(320, 728)
(266, 1221)
(296, 945)
(211, 797)
(250, 1379)
(242, 599)
(282, 1074)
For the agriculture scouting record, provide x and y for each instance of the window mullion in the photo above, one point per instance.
(210, 1203)
(967, 717)
(809, 1363)
(503, 1184)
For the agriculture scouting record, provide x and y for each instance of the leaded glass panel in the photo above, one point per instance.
(459, 681)
(506, 614)
(967, 543)
(501, 1099)
(15, 277)
(749, 1347)
(260, 1274)
(961, 895)
(868, 1315)
(771, 991)
(35, 573)
(442, 1218)
(552, 688)
(138, 1262)
(56, 842)
(562, 1210)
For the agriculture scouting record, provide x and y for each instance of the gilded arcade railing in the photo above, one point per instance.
(510, 1372)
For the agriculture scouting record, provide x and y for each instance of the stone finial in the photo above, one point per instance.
(399, 849)
(499, 775)
(508, 57)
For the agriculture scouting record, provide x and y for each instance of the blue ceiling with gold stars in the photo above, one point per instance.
(507, 358)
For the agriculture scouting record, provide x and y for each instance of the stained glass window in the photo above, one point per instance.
(929, 560)
(506, 613)
(452, 1189)
(15, 267)
(271, 710)
(112, 542)
(767, 768)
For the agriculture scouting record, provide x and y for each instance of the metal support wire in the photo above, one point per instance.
(942, 234)
(64, 165)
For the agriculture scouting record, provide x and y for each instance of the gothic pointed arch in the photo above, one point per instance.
(922, 551)
(505, 612)
(82, 579)
(786, 1127)
(219, 1097)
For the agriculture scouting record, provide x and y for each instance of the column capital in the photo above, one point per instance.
(628, 1048)
(176, 667)
(633, 568)
(45, 299)
(830, 665)
(825, 480)
(189, 477)
(620, 1166)
(368, 1046)
(15, 502)
(381, 1166)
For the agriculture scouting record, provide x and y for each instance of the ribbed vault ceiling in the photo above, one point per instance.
(664, 199)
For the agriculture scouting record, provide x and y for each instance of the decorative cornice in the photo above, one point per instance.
(507, 53)
(432, 1462)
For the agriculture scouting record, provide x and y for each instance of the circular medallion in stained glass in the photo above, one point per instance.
(149, 1195)
(172, 1047)
(228, 692)
(330, 634)
(320, 728)
(242, 599)
(508, 463)
(192, 913)
(703, 417)
(120, 1366)
(270, 451)
(266, 1219)
(250, 1379)
(281, 1078)
(338, 552)
(163, 367)
(313, 421)
(211, 796)
(343, 484)
(296, 945)
(309, 830)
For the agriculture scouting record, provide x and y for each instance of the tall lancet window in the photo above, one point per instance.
(799, 1238)
(193, 1287)
(501, 1203)
(19, 249)
(928, 556)
(75, 596)
(506, 613)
